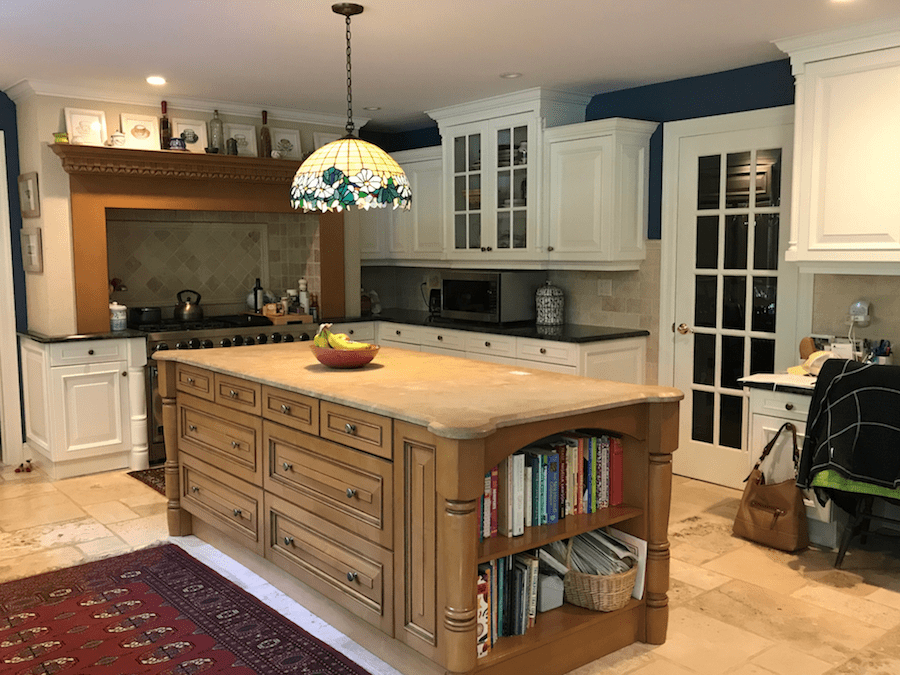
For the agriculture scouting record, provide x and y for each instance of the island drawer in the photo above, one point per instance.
(225, 438)
(347, 487)
(194, 381)
(357, 428)
(226, 503)
(291, 409)
(345, 568)
(238, 394)
(547, 351)
(496, 345)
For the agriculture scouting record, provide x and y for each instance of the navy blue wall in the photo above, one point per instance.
(767, 85)
(8, 125)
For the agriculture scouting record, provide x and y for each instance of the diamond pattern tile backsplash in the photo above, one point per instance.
(157, 253)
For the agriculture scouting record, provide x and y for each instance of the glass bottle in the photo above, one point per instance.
(265, 138)
(216, 133)
(165, 131)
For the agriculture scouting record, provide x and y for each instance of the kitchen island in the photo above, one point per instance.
(361, 488)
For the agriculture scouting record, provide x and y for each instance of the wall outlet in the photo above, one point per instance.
(604, 287)
(434, 281)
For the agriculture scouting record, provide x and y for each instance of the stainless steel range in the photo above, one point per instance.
(214, 332)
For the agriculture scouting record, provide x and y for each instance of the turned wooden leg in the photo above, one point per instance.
(458, 534)
(179, 520)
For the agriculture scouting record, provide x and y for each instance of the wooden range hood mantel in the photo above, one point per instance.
(101, 178)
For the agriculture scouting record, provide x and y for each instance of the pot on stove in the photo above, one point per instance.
(188, 310)
(138, 316)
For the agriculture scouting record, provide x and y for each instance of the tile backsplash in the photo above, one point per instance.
(157, 253)
(834, 293)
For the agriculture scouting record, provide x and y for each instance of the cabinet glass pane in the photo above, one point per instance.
(520, 145)
(702, 424)
(768, 177)
(730, 430)
(459, 230)
(474, 230)
(503, 229)
(705, 302)
(704, 358)
(520, 187)
(765, 295)
(734, 302)
(474, 195)
(520, 239)
(762, 356)
(765, 241)
(732, 361)
(737, 183)
(708, 176)
(474, 152)
(736, 228)
(459, 154)
(460, 202)
(707, 242)
(503, 188)
(503, 147)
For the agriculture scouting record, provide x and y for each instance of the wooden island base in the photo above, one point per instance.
(357, 492)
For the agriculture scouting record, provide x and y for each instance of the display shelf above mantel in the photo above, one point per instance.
(105, 161)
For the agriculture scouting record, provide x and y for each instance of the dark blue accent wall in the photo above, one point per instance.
(767, 85)
(8, 125)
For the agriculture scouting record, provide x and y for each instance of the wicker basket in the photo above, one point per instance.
(602, 593)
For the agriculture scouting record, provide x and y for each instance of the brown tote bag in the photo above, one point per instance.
(773, 515)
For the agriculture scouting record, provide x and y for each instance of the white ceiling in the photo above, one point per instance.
(408, 55)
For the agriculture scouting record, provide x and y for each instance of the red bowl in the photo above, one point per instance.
(344, 358)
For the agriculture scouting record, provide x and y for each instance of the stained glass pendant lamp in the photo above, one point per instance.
(349, 170)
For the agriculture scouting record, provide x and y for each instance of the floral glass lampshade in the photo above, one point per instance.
(349, 171)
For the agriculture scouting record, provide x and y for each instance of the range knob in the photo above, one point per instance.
(194, 343)
(181, 344)
(249, 340)
(261, 339)
(162, 346)
(225, 342)
(288, 338)
(237, 340)
(276, 337)
(207, 344)
(304, 337)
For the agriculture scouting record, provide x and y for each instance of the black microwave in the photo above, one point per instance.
(489, 296)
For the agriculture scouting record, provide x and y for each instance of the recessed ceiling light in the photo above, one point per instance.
(156, 79)
(372, 107)
(510, 76)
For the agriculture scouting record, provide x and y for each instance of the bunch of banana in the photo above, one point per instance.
(325, 338)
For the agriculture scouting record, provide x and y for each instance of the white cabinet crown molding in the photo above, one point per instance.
(554, 107)
(856, 39)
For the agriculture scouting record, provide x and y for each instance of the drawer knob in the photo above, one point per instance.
(237, 513)
(232, 393)
(788, 406)
(350, 428)
(286, 409)
(90, 352)
(350, 332)
(487, 344)
(190, 380)
(351, 493)
(543, 351)
(192, 427)
(195, 488)
(351, 576)
(288, 541)
(440, 338)
(235, 444)
(287, 467)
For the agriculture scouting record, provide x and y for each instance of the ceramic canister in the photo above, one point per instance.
(117, 316)
(550, 305)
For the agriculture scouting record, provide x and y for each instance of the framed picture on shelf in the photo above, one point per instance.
(287, 142)
(194, 132)
(29, 196)
(85, 127)
(32, 253)
(245, 136)
(141, 131)
(320, 139)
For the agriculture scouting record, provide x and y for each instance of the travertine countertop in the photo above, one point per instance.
(454, 397)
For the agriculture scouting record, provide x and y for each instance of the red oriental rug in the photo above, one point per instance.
(152, 611)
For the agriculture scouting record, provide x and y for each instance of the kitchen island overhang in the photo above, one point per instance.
(444, 422)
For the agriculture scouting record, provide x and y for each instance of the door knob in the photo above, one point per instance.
(683, 328)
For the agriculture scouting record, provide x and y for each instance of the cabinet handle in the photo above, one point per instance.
(195, 489)
(351, 576)
(235, 444)
(286, 409)
(350, 428)
(124, 373)
(232, 393)
(549, 248)
(288, 541)
(192, 427)
(788, 406)
(489, 249)
(543, 351)
(237, 513)
(287, 467)
(190, 380)
(487, 344)
(90, 352)
(351, 493)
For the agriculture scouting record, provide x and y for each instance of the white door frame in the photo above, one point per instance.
(673, 133)
(11, 452)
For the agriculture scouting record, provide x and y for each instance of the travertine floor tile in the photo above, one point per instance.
(783, 659)
(141, 532)
(33, 510)
(696, 576)
(861, 609)
(39, 538)
(110, 512)
(102, 548)
(101, 487)
(35, 563)
(760, 566)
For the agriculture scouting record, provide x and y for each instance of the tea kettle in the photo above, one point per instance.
(186, 310)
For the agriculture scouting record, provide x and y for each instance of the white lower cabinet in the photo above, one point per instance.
(80, 397)
(362, 331)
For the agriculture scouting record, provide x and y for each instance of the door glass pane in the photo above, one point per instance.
(762, 356)
(730, 431)
(707, 242)
(709, 170)
(734, 301)
(765, 293)
(768, 177)
(503, 229)
(520, 145)
(459, 154)
(705, 302)
(520, 239)
(503, 149)
(475, 230)
(737, 184)
(475, 152)
(459, 230)
(735, 242)
(732, 361)
(702, 427)
(765, 242)
(704, 358)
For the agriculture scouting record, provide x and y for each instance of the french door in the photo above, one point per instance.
(733, 292)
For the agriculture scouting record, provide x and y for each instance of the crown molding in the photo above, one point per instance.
(559, 107)
(856, 39)
(25, 89)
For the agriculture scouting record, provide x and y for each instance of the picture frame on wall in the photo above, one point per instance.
(193, 132)
(141, 131)
(287, 142)
(85, 127)
(245, 136)
(29, 195)
(321, 138)
(32, 252)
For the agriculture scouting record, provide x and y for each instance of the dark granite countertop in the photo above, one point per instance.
(111, 335)
(791, 384)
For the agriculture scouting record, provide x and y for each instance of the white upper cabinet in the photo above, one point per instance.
(492, 158)
(596, 194)
(846, 205)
